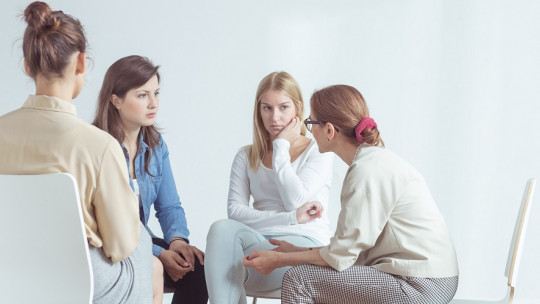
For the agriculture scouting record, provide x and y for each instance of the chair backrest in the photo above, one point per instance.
(518, 238)
(44, 256)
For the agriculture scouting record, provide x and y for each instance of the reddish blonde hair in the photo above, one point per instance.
(344, 107)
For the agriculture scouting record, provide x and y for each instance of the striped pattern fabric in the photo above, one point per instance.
(362, 284)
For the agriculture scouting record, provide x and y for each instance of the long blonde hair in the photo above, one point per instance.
(278, 81)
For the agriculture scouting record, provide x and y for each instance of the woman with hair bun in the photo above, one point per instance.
(391, 243)
(46, 136)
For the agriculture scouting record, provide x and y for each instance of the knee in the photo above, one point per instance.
(219, 229)
(292, 277)
(193, 280)
(198, 274)
(289, 275)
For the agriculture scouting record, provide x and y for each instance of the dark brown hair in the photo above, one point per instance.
(50, 39)
(344, 107)
(125, 74)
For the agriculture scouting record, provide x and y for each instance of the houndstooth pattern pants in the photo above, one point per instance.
(362, 284)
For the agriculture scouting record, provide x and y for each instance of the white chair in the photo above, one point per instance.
(272, 294)
(44, 256)
(516, 248)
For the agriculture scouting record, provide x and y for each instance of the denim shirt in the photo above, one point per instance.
(158, 188)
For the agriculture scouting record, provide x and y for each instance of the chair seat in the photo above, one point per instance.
(272, 294)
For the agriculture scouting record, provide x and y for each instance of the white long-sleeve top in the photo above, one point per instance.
(278, 192)
(389, 220)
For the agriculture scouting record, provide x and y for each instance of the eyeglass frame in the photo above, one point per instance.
(308, 122)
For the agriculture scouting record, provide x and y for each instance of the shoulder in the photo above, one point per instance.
(108, 142)
(160, 150)
(162, 144)
(242, 154)
(97, 144)
(241, 159)
(94, 136)
(377, 163)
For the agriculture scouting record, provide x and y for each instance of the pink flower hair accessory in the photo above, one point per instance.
(365, 123)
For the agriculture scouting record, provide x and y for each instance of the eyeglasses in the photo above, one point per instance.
(309, 123)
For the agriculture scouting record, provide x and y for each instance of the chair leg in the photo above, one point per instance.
(254, 300)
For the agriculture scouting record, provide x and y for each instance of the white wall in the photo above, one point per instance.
(453, 85)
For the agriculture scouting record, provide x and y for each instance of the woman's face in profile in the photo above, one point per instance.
(277, 110)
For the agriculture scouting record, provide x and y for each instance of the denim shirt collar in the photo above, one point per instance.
(143, 147)
(141, 150)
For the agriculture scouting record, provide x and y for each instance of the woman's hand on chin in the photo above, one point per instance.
(291, 132)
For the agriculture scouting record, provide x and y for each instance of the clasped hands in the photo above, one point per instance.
(176, 266)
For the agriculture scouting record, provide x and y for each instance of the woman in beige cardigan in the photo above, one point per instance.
(391, 244)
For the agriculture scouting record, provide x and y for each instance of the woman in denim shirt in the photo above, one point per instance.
(127, 106)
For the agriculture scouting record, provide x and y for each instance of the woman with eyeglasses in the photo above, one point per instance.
(391, 244)
(288, 181)
(127, 107)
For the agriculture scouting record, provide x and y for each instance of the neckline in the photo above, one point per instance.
(311, 141)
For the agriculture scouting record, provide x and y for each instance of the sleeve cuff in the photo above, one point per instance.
(292, 218)
(334, 261)
(156, 250)
(174, 236)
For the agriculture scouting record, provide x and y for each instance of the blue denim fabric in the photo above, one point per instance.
(158, 188)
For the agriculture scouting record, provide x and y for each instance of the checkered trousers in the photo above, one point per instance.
(362, 284)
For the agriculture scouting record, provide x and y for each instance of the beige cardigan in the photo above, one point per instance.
(45, 136)
(389, 221)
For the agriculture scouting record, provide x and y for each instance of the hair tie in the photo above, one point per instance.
(365, 123)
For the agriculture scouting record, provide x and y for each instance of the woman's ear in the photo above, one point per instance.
(115, 100)
(330, 131)
(26, 68)
(81, 64)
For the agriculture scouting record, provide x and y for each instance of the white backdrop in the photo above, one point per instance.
(453, 85)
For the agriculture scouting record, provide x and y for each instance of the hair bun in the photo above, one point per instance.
(38, 15)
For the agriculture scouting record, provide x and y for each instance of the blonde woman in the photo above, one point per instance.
(288, 180)
(391, 243)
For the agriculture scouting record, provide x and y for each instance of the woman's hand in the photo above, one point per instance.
(263, 261)
(174, 265)
(308, 212)
(291, 132)
(189, 252)
(284, 246)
